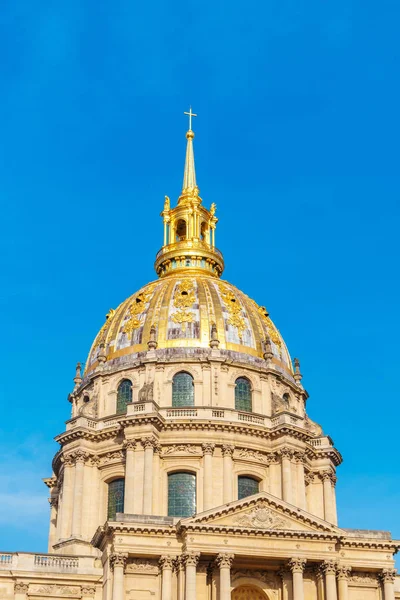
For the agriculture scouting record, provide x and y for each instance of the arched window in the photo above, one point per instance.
(180, 230)
(203, 232)
(247, 486)
(243, 394)
(286, 399)
(124, 395)
(182, 389)
(116, 490)
(181, 494)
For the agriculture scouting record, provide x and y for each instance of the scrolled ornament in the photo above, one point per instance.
(224, 559)
(297, 565)
(21, 588)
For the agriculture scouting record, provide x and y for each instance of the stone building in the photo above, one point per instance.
(190, 468)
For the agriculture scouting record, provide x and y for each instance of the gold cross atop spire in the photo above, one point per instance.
(190, 115)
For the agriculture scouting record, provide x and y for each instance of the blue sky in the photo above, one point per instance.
(296, 142)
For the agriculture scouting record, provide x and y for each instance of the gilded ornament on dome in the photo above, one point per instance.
(234, 309)
(136, 308)
(272, 332)
(184, 298)
(102, 332)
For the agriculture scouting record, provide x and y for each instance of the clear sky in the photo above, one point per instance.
(296, 142)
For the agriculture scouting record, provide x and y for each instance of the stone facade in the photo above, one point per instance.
(281, 542)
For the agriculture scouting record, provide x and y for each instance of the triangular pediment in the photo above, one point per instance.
(262, 512)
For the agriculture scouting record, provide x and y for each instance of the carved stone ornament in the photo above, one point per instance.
(21, 588)
(181, 448)
(53, 502)
(208, 448)
(297, 565)
(148, 442)
(55, 590)
(191, 559)
(179, 564)
(118, 559)
(137, 565)
(255, 455)
(388, 575)
(362, 578)
(286, 453)
(224, 560)
(343, 572)
(329, 567)
(261, 517)
(167, 562)
(265, 576)
(111, 456)
(130, 444)
(88, 591)
(227, 450)
(146, 393)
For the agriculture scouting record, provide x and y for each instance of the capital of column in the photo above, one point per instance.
(227, 450)
(94, 460)
(148, 442)
(224, 559)
(388, 575)
(343, 572)
(300, 457)
(167, 562)
(286, 453)
(297, 565)
(208, 448)
(79, 456)
(53, 502)
(21, 588)
(329, 567)
(191, 559)
(179, 564)
(117, 559)
(326, 475)
(309, 478)
(130, 444)
(68, 460)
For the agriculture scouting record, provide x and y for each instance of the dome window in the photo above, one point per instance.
(181, 230)
(116, 491)
(182, 390)
(181, 494)
(247, 486)
(124, 395)
(243, 395)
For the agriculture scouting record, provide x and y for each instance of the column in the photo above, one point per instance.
(130, 446)
(227, 453)
(80, 458)
(148, 445)
(179, 565)
(342, 574)
(118, 562)
(287, 583)
(224, 561)
(67, 498)
(301, 484)
(287, 488)
(208, 450)
(297, 565)
(328, 500)
(329, 568)
(275, 476)
(191, 559)
(388, 577)
(53, 522)
(21, 590)
(320, 583)
(334, 507)
(166, 564)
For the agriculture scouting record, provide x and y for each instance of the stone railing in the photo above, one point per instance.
(140, 409)
(54, 563)
(322, 442)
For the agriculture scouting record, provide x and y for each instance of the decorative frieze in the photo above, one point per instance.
(261, 517)
(55, 590)
(138, 565)
(181, 449)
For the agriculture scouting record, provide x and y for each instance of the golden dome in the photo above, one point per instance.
(189, 307)
(181, 311)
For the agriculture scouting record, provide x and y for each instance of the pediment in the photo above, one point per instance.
(261, 512)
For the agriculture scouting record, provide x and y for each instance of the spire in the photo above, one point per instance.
(189, 176)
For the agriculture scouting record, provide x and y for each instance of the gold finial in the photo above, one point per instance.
(189, 176)
(190, 115)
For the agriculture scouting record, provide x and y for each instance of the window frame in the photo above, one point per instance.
(251, 477)
(174, 400)
(238, 400)
(121, 404)
(194, 475)
(112, 482)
